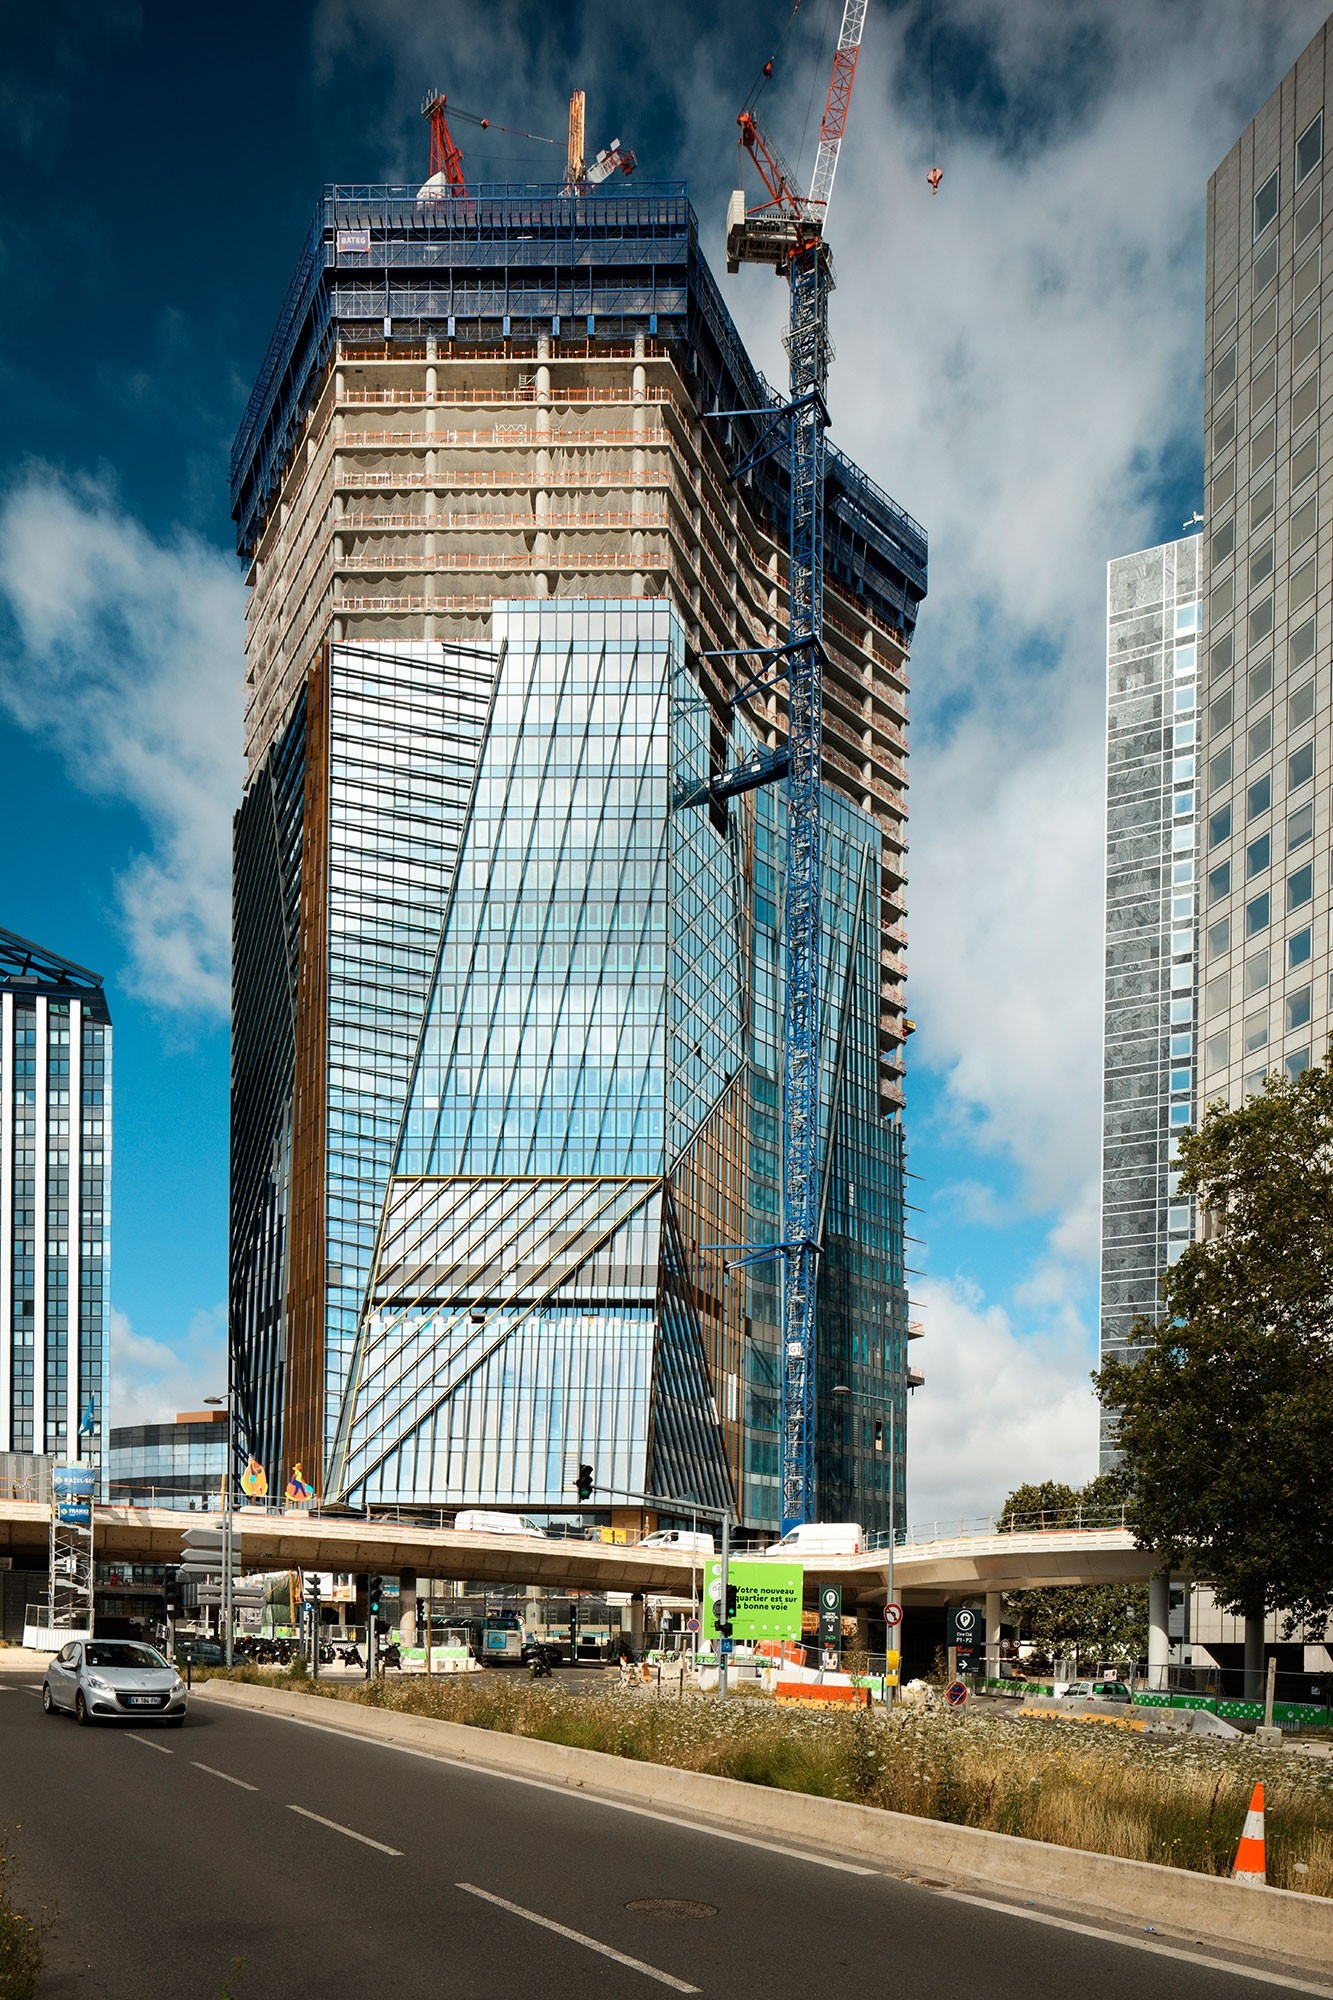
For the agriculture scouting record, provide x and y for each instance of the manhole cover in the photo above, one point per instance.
(670, 1906)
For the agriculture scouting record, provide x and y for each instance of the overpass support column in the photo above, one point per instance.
(407, 1607)
(1159, 1640)
(993, 1604)
(634, 1630)
(1254, 1659)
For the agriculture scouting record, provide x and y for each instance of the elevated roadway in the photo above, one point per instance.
(926, 1572)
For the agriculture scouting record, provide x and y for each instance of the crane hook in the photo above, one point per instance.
(935, 176)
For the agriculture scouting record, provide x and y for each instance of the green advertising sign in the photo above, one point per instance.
(768, 1599)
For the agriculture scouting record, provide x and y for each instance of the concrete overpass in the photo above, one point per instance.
(926, 1572)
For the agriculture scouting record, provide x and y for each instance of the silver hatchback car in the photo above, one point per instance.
(121, 1679)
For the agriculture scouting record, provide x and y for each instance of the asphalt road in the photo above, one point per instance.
(334, 1867)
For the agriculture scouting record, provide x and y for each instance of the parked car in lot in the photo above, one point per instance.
(1097, 1691)
(195, 1651)
(113, 1679)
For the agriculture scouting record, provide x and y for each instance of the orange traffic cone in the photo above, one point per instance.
(1249, 1865)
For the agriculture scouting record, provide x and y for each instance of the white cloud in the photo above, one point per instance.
(1002, 1403)
(1019, 363)
(151, 1382)
(124, 655)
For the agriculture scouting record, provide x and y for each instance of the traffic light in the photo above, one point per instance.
(172, 1592)
(584, 1482)
(879, 1434)
(374, 1596)
(728, 1611)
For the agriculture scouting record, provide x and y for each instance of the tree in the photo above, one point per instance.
(1226, 1420)
(1093, 1621)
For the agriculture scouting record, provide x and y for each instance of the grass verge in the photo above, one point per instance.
(22, 1938)
(1182, 1803)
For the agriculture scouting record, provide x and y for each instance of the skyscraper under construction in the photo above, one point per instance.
(507, 970)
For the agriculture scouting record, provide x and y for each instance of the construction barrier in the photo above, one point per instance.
(813, 1691)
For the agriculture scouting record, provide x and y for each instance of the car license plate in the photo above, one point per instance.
(143, 1701)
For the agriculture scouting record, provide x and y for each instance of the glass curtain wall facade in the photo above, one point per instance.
(1265, 923)
(591, 1131)
(55, 1197)
(1153, 650)
(169, 1465)
(507, 983)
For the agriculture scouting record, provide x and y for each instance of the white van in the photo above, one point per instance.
(820, 1538)
(484, 1521)
(692, 1541)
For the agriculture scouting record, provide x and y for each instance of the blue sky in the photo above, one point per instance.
(1019, 362)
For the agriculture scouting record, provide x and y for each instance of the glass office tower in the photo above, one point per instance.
(1265, 919)
(507, 974)
(55, 1198)
(1153, 643)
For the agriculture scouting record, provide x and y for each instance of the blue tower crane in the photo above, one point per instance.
(786, 231)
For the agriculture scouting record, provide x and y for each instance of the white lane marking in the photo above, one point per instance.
(571, 1792)
(1287, 1983)
(149, 1744)
(350, 1831)
(224, 1775)
(578, 1937)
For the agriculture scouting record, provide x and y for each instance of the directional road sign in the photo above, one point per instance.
(964, 1626)
(830, 1616)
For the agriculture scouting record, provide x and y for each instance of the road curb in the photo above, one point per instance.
(1294, 1927)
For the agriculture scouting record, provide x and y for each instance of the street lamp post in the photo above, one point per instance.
(228, 1617)
(843, 1389)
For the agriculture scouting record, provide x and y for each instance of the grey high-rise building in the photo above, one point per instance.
(1265, 827)
(1202, 1009)
(55, 1197)
(1152, 675)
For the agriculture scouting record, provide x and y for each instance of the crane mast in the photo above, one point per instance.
(787, 232)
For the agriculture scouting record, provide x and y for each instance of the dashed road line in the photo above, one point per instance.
(149, 1744)
(579, 1937)
(351, 1832)
(224, 1775)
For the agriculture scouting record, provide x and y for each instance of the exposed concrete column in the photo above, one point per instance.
(640, 382)
(1254, 1659)
(640, 347)
(634, 1627)
(432, 384)
(407, 1607)
(1159, 1638)
(993, 1607)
